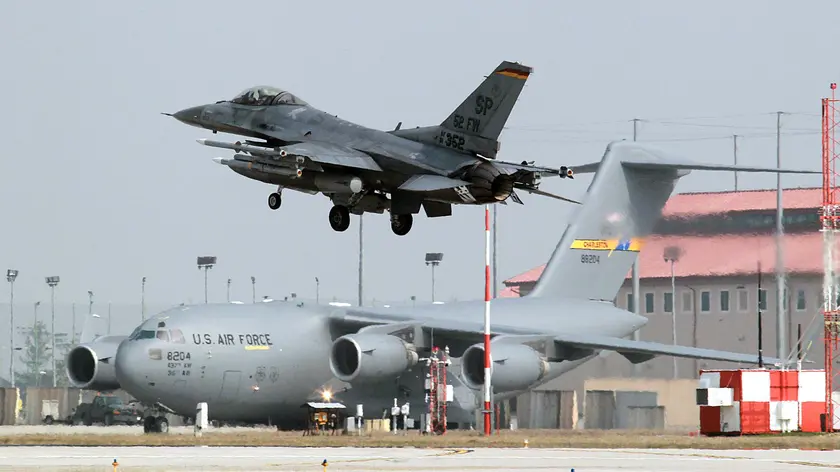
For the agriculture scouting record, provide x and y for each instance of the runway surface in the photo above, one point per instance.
(101, 430)
(353, 459)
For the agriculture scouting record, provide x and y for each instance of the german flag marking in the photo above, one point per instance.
(516, 74)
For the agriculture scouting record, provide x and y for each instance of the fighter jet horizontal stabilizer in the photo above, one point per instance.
(537, 191)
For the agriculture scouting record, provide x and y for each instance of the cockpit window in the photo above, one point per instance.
(162, 334)
(142, 334)
(265, 95)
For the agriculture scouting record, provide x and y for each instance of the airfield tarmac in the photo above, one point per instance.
(272, 458)
(407, 459)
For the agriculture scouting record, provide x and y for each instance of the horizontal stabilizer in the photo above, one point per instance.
(429, 183)
(640, 351)
(537, 191)
(652, 160)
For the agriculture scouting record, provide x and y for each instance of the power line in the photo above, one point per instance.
(608, 138)
(709, 125)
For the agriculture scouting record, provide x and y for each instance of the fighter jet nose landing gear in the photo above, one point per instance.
(274, 201)
(339, 218)
(401, 224)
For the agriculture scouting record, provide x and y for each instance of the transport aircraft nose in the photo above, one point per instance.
(129, 370)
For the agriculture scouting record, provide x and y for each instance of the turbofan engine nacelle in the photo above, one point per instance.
(363, 356)
(488, 184)
(513, 367)
(91, 365)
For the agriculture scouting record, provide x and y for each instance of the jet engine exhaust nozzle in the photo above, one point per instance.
(488, 184)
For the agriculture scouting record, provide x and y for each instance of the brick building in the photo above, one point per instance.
(720, 238)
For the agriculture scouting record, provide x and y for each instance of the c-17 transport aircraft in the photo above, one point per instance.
(260, 362)
(367, 170)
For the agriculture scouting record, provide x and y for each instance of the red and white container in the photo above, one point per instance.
(760, 401)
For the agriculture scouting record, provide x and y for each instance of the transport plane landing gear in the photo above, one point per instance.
(401, 224)
(153, 424)
(339, 218)
(274, 201)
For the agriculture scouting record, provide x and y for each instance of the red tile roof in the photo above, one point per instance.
(707, 203)
(509, 292)
(721, 255)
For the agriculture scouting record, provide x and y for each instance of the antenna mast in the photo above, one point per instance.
(830, 219)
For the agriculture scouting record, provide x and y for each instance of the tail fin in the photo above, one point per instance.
(621, 207)
(482, 116)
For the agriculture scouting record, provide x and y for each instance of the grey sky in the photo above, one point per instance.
(101, 189)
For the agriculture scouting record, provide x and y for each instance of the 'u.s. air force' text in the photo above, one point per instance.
(233, 339)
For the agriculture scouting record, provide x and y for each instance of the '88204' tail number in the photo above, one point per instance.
(590, 259)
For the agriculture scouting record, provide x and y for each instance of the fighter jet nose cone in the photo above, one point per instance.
(190, 116)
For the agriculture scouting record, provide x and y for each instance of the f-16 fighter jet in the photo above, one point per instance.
(300, 147)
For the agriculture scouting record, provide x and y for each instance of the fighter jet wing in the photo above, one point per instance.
(526, 168)
(316, 151)
(327, 153)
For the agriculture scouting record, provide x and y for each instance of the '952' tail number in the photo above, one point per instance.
(590, 259)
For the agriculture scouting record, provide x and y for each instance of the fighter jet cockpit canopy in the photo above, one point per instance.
(262, 95)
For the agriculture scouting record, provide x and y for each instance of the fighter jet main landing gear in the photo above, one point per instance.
(274, 201)
(340, 218)
(401, 224)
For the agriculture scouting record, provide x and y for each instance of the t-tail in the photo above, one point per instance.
(624, 202)
(475, 126)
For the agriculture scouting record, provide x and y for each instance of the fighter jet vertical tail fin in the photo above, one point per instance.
(624, 202)
(477, 123)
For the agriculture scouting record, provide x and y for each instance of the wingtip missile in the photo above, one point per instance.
(166, 114)
(220, 160)
(201, 141)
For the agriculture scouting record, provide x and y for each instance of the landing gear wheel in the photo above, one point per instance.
(401, 224)
(149, 424)
(340, 218)
(274, 201)
(162, 424)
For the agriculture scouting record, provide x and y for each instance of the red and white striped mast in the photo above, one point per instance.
(487, 409)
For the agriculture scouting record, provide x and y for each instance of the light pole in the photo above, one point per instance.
(90, 302)
(109, 318)
(143, 299)
(694, 324)
(73, 338)
(228, 290)
(433, 259)
(672, 255)
(206, 263)
(253, 289)
(317, 291)
(35, 336)
(52, 281)
(11, 275)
